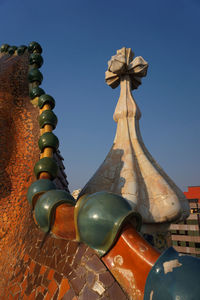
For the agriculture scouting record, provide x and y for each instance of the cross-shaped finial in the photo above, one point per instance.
(123, 64)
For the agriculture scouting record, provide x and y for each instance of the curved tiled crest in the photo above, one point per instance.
(29, 268)
(36, 61)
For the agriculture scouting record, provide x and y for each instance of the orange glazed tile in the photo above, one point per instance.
(17, 297)
(48, 297)
(25, 297)
(42, 270)
(130, 261)
(50, 275)
(19, 278)
(32, 296)
(26, 272)
(12, 288)
(52, 287)
(18, 269)
(24, 285)
(26, 257)
(17, 289)
(64, 287)
(40, 289)
(31, 267)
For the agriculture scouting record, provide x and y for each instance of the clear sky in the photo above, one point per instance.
(78, 37)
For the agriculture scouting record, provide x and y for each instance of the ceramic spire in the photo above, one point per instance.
(129, 169)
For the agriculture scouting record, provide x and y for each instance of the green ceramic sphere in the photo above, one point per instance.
(46, 99)
(101, 217)
(4, 48)
(47, 117)
(36, 92)
(46, 164)
(11, 50)
(34, 47)
(21, 49)
(38, 188)
(35, 75)
(36, 58)
(46, 205)
(48, 139)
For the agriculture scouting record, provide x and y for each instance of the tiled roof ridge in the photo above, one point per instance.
(35, 79)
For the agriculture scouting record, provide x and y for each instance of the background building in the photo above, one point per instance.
(185, 235)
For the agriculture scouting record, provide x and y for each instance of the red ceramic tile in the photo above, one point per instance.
(31, 267)
(40, 289)
(16, 297)
(64, 287)
(24, 284)
(16, 289)
(32, 296)
(48, 297)
(42, 270)
(52, 287)
(50, 274)
(26, 257)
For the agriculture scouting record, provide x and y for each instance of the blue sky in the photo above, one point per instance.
(78, 38)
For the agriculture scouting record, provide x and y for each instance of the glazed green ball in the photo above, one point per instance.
(46, 164)
(34, 47)
(36, 92)
(46, 99)
(101, 217)
(47, 117)
(4, 47)
(35, 75)
(38, 188)
(21, 49)
(11, 50)
(48, 139)
(36, 58)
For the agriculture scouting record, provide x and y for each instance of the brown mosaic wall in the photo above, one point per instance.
(18, 153)
(59, 269)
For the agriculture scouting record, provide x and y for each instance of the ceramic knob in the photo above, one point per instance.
(36, 58)
(100, 218)
(11, 50)
(46, 205)
(46, 99)
(46, 164)
(36, 92)
(35, 75)
(47, 117)
(48, 139)
(34, 47)
(21, 49)
(39, 187)
(4, 48)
